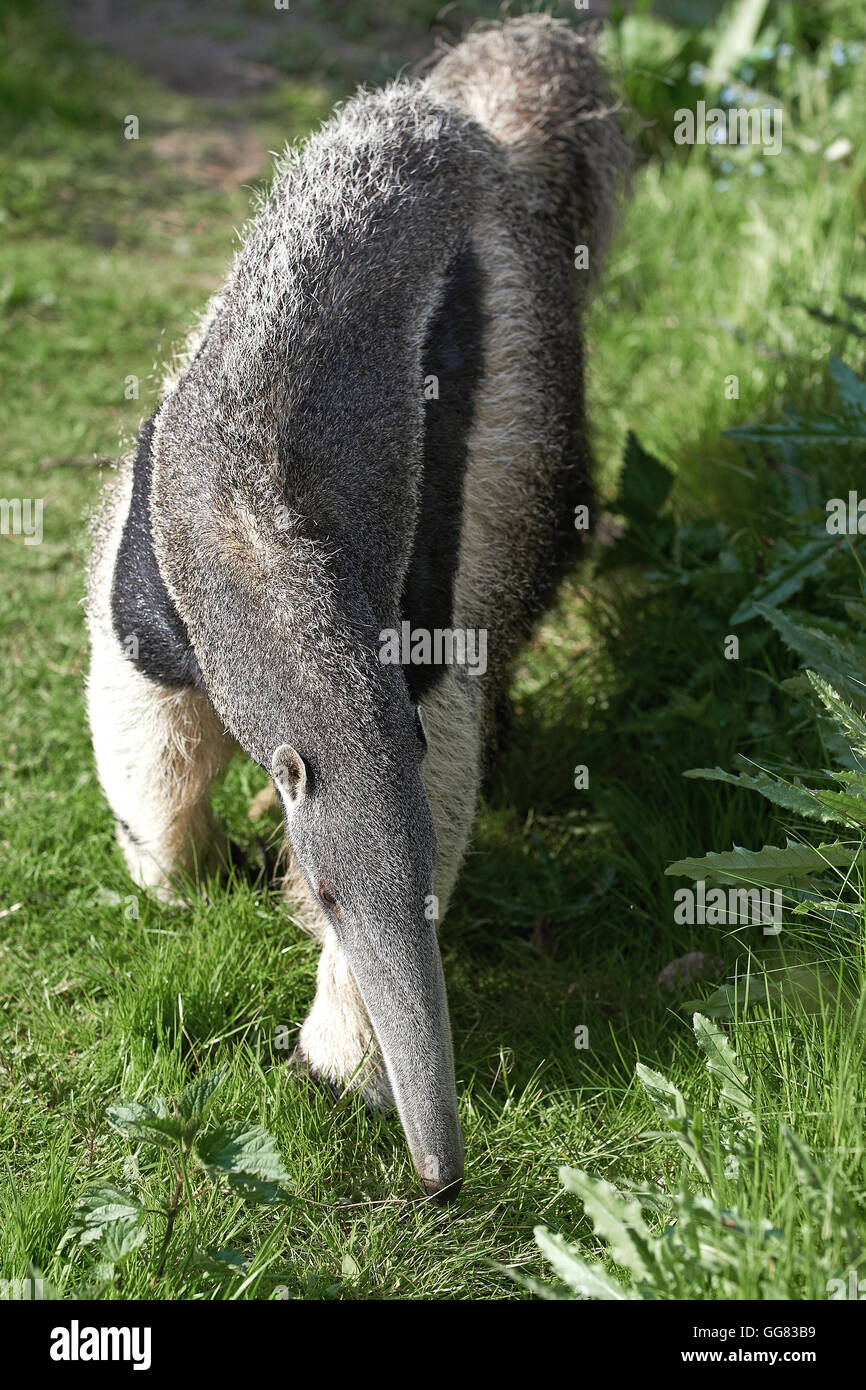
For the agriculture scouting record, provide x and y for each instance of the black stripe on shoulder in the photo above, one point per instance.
(452, 364)
(146, 622)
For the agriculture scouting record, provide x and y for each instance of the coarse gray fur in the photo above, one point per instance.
(285, 476)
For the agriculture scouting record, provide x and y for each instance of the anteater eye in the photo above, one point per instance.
(328, 896)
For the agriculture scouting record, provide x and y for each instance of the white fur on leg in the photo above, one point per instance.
(157, 748)
(336, 1038)
(157, 751)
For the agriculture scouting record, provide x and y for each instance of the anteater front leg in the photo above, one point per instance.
(157, 751)
(158, 744)
(337, 1044)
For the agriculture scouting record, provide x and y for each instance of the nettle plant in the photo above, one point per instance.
(240, 1159)
(704, 1246)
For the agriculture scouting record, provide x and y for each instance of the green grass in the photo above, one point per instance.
(564, 916)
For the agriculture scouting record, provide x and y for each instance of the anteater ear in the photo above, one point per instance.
(289, 772)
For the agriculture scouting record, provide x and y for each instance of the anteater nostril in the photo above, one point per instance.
(442, 1191)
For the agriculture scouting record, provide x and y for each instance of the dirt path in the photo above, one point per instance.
(224, 56)
(223, 51)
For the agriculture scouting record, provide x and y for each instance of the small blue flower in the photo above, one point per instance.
(838, 56)
(784, 50)
(696, 73)
(756, 168)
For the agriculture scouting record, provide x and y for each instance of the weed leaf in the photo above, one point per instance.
(586, 1280)
(723, 1065)
(246, 1157)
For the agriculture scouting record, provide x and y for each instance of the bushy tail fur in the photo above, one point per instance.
(536, 87)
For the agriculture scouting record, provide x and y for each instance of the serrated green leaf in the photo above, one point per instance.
(681, 1121)
(225, 1263)
(644, 483)
(854, 781)
(246, 1156)
(588, 1280)
(117, 1241)
(825, 806)
(730, 1000)
(836, 660)
(617, 1220)
(842, 808)
(99, 1206)
(786, 578)
(197, 1098)
(720, 1004)
(146, 1125)
(766, 866)
(252, 1190)
(723, 1065)
(663, 1093)
(849, 720)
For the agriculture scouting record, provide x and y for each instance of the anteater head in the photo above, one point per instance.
(359, 823)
